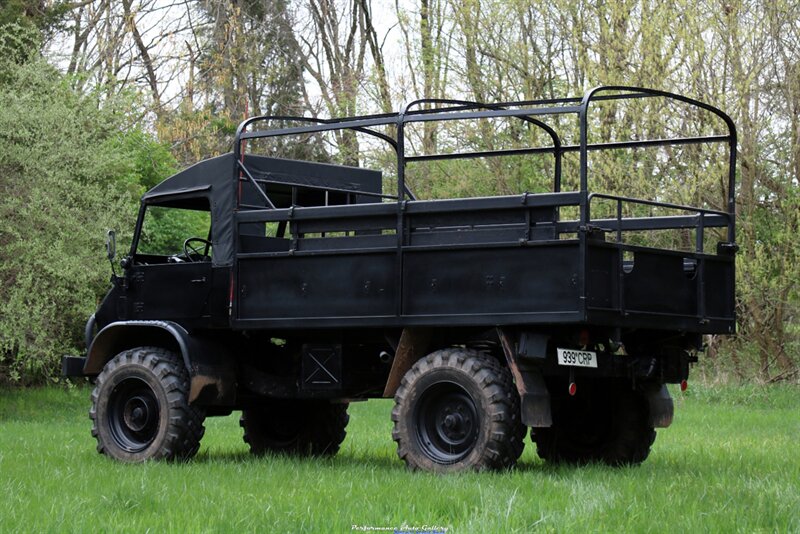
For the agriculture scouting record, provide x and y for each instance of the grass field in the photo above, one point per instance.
(729, 463)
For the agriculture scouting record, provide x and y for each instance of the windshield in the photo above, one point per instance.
(165, 231)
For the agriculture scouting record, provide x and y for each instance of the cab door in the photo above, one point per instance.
(171, 273)
(171, 291)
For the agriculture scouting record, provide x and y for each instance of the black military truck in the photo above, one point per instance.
(309, 286)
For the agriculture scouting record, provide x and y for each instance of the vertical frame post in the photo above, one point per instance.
(401, 201)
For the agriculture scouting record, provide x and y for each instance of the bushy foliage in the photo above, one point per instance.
(67, 174)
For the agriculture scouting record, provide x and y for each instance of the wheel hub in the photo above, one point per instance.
(448, 422)
(133, 415)
(137, 413)
(456, 424)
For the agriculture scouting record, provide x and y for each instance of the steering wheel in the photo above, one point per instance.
(192, 251)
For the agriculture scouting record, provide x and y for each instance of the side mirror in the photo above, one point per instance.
(111, 245)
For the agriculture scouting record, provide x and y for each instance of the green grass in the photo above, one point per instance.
(730, 462)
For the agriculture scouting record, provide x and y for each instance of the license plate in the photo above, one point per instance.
(577, 358)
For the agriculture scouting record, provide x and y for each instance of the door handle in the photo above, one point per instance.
(201, 280)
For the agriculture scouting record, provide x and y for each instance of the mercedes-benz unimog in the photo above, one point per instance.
(288, 288)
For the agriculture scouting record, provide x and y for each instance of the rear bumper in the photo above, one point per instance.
(72, 365)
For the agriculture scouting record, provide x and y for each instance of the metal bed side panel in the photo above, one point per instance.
(661, 289)
(514, 280)
(342, 285)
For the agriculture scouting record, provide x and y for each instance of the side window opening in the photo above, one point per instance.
(175, 235)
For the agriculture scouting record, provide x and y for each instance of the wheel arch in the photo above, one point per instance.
(210, 364)
(124, 335)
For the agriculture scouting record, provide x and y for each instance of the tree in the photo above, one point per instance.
(334, 52)
(205, 64)
(67, 174)
(243, 61)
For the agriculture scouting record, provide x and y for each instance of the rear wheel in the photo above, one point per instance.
(457, 409)
(140, 408)
(606, 422)
(293, 426)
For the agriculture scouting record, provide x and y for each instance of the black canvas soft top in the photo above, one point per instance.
(203, 186)
(211, 184)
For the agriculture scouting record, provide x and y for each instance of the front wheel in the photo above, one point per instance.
(457, 409)
(140, 409)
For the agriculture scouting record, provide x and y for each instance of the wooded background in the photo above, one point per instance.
(100, 100)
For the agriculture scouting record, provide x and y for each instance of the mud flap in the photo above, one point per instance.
(412, 346)
(213, 375)
(535, 402)
(662, 409)
(212, 385)
(533, 394)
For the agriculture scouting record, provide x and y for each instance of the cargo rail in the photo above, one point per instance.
(404, 226)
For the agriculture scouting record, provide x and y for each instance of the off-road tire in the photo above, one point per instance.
(456, 410)
(294, 426)
(140, 408)
(611, 426)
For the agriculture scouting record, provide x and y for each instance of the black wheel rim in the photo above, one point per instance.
(447, 422)
(133, 415)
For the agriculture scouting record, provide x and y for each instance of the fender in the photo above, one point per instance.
(210, 364)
